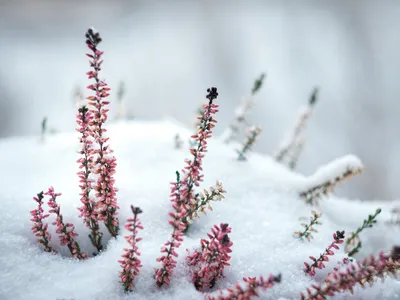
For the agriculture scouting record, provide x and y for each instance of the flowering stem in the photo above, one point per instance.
(131, 263)
(66, 235)
(251, 138)
(355, 235)
(318, 263)
(38, 228)
(308, 228)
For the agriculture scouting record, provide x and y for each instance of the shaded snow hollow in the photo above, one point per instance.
(262, 206)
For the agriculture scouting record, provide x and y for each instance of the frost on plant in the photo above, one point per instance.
(318, 263)
(130, 263)
(104, 163)
(324, 180)
(306, 233)
(207, 263)
(250, 289)
(366, 271)
(351, 248)
(240, 122)
(290, 149)
(250, 140)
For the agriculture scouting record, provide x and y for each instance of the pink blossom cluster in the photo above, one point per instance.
(250, 289)
(362, 272)
(130, 263)
(39, 228)
(88, 209)
(207, 264)
(103, 164)
(66, 231)
(163, 274)
(338, 238)
(192, 171)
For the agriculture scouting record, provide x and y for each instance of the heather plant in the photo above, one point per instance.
(251, 138)
(44, 129)
(306, 233)
(207, 263)
(39, 228)
(318, 263)
(366, 271)
(290, 150)
(395, 220)
(178, 141)
(351, 248)
(130, 263)
(250, 289)
(240, 122)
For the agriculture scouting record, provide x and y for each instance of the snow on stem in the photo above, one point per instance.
(66, 231)
(39, 228)
(88, 209)
(368, 270)
(290, 149)
(250, 289)
(318, 263)
(104, 163)
(130, 264)
(207, 263)
(163, 274)
(324, 180)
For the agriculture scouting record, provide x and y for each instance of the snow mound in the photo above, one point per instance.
(262, 206)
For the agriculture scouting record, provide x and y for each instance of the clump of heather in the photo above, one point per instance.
(104, 163)
(250, 289)
(39, 228)
(249, 141)
(207, 263)
(318, 263)
(163, 274)
(351, 248)
(130, 264)
(366, 271)
(306, 233)
(289, 152)
(240, 122)
(66, 231)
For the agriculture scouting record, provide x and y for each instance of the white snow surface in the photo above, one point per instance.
(262, 206)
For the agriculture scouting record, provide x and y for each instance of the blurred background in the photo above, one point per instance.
(169, 52)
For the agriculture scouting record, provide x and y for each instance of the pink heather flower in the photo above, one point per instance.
(104, 163)
(163, 274)
(39, 228)
(88, 209)
(192, 172)
(207, 264)
(252, 285)
(368, 270)
(319, 263)
(66, 231)
(130, 264)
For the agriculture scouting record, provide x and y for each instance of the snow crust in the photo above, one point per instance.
(262, 206)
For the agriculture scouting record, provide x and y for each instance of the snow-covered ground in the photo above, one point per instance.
(262, 206)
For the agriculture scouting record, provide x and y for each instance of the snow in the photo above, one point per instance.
(262, 206)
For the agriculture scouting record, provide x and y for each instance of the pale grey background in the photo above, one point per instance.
(169, 52)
